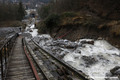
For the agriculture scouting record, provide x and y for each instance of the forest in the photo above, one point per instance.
(11, 13)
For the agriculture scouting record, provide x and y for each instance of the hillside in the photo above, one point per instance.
(108, 9)
(84, 19)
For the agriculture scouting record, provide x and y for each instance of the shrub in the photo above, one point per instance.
(41, 27)
(44, 11)
(9, 12)
(48, 24)
(52, 21)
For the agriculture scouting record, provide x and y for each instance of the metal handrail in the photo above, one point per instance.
(4, 54)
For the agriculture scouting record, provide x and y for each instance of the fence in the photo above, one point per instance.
(4, 54)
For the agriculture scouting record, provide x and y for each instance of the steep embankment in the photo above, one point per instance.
(75, 32)
(98, 19)
(108, 9)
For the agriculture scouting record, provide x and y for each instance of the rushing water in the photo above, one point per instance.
(94, 57)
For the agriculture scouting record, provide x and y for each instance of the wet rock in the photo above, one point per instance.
(28, 29)
(71, 46)
(115, 70)
(61, 56)
(87, 42)
(102, 58)
(57, 50)
(58, 43)
(89, 60)
(78, 51)
(109, 76)
(76, 57)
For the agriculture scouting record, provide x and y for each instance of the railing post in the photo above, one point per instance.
(8, 48)
(5, 56)
(1, 59)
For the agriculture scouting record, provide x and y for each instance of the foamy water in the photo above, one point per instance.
(95, 60)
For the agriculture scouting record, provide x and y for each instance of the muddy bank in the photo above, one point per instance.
(76, 32)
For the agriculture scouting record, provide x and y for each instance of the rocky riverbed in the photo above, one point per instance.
(95, 57)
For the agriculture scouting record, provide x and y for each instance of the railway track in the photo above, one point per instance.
(49, 67)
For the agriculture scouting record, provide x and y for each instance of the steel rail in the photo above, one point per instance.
(35, 61)
(31, 64)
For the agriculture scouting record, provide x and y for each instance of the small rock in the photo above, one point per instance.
(71, 46)
(31, 31)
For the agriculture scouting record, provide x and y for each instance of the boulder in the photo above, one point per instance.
(115, 70)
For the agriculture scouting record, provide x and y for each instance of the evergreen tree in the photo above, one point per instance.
(21, 11)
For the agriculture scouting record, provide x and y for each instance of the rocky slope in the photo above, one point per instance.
(97, 19)
(75, 32)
